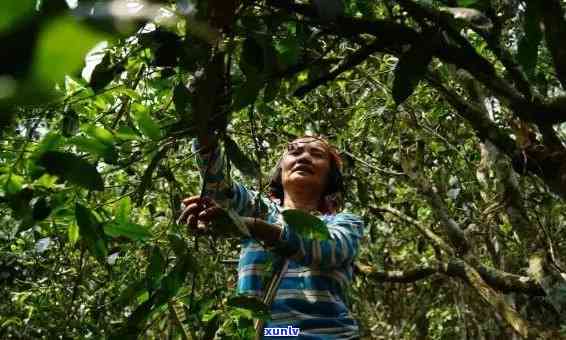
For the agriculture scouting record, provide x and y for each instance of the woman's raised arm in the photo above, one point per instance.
(218, 184)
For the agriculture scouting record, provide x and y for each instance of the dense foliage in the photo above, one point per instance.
(448, 114)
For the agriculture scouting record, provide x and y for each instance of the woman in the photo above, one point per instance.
(309, 294)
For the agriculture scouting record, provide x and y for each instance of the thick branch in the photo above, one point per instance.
(388, 31)
(400, 276)
(422, 12)
(483, 280)
(483, 126)
(496, 300)
(547, 163)
(452, 229)
(511, 66)
(555, 31)
(459, 53)
(502, 281)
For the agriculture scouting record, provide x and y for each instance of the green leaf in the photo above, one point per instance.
(47, 181)
(123, 210)
(123, 90)
(126, 133)
(96, 148)
(527, 53)
(55, 57)
(410, 69)
(246, 165)
(73, 233)
(145, 122)
(252, 303)
(130, 230)
(13, 13)
(211, 316)
(156, 268)
(91, 232)
(12, 183)
(289, 50)
(89, 145)
(305, 224)
(72, 168)
(101, 134)
(50, 142)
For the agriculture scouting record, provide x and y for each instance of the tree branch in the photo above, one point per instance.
(497, 279)
(459, 53)
(423, 12)
(453, 231)
(483, 126)
(387, 30)
(548, 163)
(496, 300)
(399, 276)
(351, 61)
(555, 31)
(421, 228)
(375, 167)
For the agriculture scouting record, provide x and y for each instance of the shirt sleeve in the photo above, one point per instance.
(219, 186)
(345, 230)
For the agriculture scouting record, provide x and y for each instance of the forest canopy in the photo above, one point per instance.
(448, 114)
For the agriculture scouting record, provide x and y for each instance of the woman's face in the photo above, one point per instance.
(305, 164)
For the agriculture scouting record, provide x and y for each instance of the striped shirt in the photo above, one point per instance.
(311, 295)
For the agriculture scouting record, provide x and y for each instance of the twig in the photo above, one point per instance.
(352, 61)
(421, 228)
(196, 237)
(371, 166)
(554, 29)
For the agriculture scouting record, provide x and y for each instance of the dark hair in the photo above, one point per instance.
(334, 184)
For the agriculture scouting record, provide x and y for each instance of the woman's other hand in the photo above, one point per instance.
(199, 209)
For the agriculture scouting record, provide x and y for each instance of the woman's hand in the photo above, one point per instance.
(199, 209)
(203, 215)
